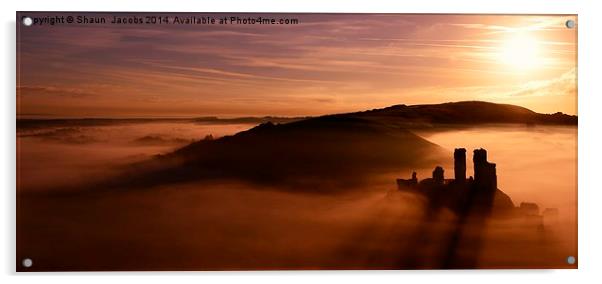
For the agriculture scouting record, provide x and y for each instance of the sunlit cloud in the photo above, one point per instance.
(565, 85)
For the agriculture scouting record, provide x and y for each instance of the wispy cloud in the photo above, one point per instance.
(54, 91)
(324, 64)
(565, 85)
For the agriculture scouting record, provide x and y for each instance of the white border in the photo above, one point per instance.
(589, 139)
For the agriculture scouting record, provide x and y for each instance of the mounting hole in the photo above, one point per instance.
(570, 260)
(570, 24)
(27, 262)
(27, 21)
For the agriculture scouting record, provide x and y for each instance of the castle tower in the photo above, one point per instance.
(485, 181)
(479, 160)
(438, 176)
(460, 164)
(484, 171)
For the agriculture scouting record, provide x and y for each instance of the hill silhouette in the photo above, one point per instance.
(468, 112)
(328, 150)
(340, 149)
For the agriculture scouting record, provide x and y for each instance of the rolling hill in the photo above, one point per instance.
(340, 149)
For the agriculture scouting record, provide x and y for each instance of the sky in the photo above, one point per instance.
(327, 63)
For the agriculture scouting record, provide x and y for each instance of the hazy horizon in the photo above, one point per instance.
(218, 116)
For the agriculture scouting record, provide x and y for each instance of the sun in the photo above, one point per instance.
(520, 52)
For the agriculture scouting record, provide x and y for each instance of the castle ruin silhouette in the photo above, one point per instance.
(473, 200)
(477, 196)
(473, 197)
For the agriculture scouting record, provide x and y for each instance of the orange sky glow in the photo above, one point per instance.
(328, 63)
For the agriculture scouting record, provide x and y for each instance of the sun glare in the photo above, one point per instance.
(521, 52)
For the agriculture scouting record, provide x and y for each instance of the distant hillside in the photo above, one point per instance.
(37, 123)
(470, 112)
(247, 120)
